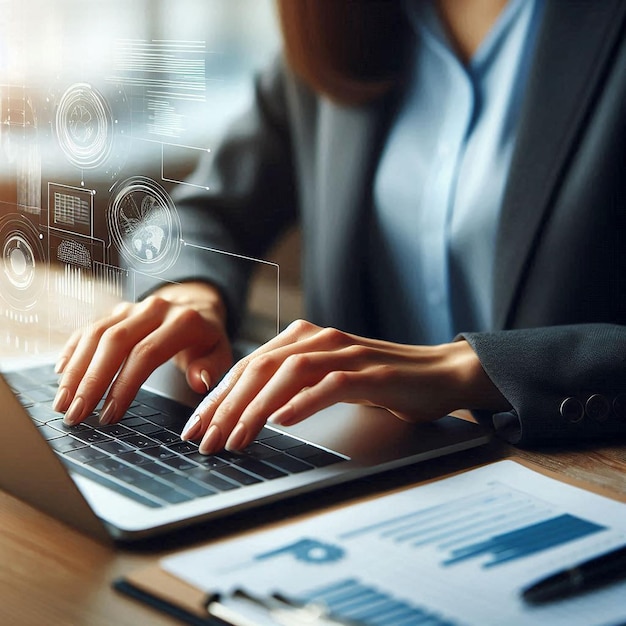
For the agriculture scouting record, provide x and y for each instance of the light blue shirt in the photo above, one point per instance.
(439, 186)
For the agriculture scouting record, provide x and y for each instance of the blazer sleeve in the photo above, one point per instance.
(563, 382)
(239, 199)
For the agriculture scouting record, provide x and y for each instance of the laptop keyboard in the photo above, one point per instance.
(143, 457)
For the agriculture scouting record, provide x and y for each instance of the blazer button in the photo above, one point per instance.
(572, 409)
(597, 407)
(619, 406)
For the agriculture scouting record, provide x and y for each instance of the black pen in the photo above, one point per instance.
(591, 574)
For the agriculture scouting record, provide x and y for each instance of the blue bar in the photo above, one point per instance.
(527, 540)
(351, 599)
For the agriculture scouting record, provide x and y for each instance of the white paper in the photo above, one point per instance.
(400, 554)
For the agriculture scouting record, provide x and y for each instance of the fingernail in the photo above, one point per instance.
(75, 412)
(237, 438)
(60, 400)
(211, 441)
(282, 417)
(108, 412)
(191, 427)
(206, 379)
(211, 398)
(60, 365)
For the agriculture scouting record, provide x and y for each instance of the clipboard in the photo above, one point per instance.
(174, 597)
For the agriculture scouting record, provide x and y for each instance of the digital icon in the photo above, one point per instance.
(144, 224)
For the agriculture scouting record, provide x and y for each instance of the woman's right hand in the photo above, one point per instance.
(185, 322)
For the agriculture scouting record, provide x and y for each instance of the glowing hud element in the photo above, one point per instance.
(84, 126)
(144, 224)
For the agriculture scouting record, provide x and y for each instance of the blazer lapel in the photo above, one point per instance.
(575, 42)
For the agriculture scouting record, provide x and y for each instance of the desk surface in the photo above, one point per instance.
(51, 574)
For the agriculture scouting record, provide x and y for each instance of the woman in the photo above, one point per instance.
(457, 171)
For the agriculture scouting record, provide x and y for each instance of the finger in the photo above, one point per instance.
(76, 358)
(337, 386)
(98, 358)
(198, 426)
(163, 342)
(296, 372)
(119, 312)
(216, 417)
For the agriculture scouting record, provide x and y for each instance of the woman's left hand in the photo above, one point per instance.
(307, 368)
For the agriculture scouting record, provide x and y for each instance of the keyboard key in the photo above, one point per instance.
(141, 410)
(190, 486)
(108, 465)
(158, 469)
(315, 456)
(134, 458)
(65, 443)
(117, 431)
(323, 458)
(173, 496)
(134, 422)
(86, 454)
(147, 428)
(239, 476)
(213, 480)
(92, 436)
(60, 425)
(281, 442)
(207, 461)
(166, 436)
(179, 463)
(158, 452)
(258, 451)
(183, 447)
(289, 463)
(49, 433)
(41, 394)
(167, 421)
(140, 441)
(268, 472)
(114, 446)
(42, 413)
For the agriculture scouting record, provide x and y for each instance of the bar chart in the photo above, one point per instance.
(497, 524)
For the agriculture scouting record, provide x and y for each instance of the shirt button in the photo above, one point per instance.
(572, 410)
(597, 407)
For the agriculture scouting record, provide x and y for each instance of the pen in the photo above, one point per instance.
(595, 572)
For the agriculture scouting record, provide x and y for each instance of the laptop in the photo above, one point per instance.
(137, 479)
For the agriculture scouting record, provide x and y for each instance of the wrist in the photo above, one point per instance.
(474, 389)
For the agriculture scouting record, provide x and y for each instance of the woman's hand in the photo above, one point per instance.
(307, 368)
(185, 322)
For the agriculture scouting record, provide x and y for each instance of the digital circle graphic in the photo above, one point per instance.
(84, 126)
(22, 260)
(144, 224)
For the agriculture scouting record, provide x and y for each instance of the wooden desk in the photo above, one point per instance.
(53, 575)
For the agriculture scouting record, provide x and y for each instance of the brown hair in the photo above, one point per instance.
(351, 50)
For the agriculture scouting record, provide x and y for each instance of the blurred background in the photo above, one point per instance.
(105, 106)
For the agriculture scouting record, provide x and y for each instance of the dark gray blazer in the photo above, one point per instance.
(558, 347)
